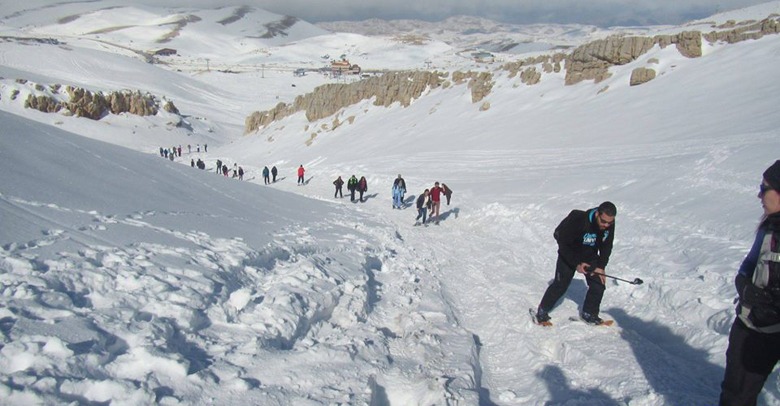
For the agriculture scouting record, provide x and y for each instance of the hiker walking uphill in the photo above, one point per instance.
(401, 183)
(266, 178)
(352, 184)
(584, 245)
(273, 174)
(447, 192)
(436, 191)
(397, 196)
(422, 206)
(301, 172)
(754, 340)
(339, 183)
(362, 187)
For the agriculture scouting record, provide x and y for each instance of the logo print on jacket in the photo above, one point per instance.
(589, 239)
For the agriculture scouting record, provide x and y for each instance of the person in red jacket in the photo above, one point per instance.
(436, 193)
(301, 171)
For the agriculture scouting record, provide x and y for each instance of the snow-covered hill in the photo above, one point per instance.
(127, 278)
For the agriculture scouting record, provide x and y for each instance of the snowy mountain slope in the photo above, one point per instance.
(127, 278)
(118, 266)
(224, 33)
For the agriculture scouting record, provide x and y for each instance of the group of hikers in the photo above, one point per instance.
(174, 151)
(353, 185)
(238, 172)
(267, 175)
(429, 200)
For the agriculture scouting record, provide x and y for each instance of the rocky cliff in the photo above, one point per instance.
(590, 61)
(94, 105)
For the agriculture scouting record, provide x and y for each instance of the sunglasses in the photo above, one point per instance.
(762, 189)
(605, 222)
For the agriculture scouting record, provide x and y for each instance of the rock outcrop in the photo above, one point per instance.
(95, 105)
(641, 75)
(745, 32)
(326, 100)
(590, 61)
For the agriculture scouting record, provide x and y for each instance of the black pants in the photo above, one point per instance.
(338, 192)
(563, 276)
(749, 361)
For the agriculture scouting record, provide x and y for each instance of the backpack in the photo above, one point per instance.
(760, 300)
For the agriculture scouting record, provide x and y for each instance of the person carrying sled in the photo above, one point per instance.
(301, 172)
(754, 340)
(584, 245)
(266, 178)
(352, 184)
(362, 187)
(339, 183)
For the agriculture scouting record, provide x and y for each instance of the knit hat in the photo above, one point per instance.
(772, 175)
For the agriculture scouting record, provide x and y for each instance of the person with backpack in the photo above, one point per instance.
(584, 245)
(352, 184)
(273, 173)
(301, 172)
(266, 178)
(422, 206)
(754, 340)
(339, 183)
(447, 192)
(362, 187)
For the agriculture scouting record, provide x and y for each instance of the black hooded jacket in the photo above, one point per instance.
(580, 239)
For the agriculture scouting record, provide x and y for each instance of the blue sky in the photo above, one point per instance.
(596, 12)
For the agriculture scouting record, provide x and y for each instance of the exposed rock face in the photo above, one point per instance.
(45, 104)
(588, 62)
(592, 60)
(480, 83)
(641, 75)
(84, 103)
(755, 30)
(326, 100)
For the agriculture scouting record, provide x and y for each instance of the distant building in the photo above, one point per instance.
(343, 66)
(483, 57)
(164, 52)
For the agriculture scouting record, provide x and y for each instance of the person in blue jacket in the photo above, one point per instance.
(584, 245)
(754, 340)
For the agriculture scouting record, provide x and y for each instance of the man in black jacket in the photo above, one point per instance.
(584, 245)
